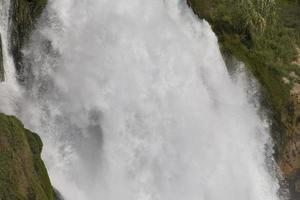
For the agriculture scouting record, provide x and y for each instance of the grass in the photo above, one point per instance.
(22, 172)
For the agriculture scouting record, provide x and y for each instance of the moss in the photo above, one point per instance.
(22, 172)
(36, 146)
(24, 16)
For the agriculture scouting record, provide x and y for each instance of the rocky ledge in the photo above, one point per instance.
(23, 174)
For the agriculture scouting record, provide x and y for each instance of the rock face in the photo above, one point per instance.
(1, 62)
(22, 172)
(289, 161)
(24, 14)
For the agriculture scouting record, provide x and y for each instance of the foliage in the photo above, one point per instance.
(244, 15)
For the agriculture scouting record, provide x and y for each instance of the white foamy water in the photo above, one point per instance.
(10, 91)
(134, 102)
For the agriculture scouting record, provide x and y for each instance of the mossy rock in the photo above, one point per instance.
(24, 15)
(23, 175)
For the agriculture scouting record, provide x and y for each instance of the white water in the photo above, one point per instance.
(134, 102)
(10, 91)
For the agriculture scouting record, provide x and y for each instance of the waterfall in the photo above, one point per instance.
(10, 91)
(133, 101)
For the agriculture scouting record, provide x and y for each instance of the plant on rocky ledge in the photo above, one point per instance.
(252, 15)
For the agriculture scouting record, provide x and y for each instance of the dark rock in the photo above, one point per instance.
(1, 62)
(58, 195)
(24, 14)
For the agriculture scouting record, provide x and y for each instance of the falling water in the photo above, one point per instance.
(134, 102)
(10, 91)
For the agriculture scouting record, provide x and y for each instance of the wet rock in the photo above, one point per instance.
(1, 62)
(58, 195)
(24, 15)
(289, 161)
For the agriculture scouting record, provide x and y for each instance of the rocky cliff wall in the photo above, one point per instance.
(22, 172)
(24, 15)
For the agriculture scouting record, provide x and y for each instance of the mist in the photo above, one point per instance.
(133, 101)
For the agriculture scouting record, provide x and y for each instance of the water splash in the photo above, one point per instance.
(134, 102)
(10, 91)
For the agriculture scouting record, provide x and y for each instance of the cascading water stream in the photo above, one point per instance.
(134, 102)
(10, 91)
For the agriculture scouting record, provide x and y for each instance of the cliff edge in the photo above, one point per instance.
(23, 174)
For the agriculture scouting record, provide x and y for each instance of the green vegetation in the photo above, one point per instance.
(22, 172)
(264, 34)
(24, 16)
